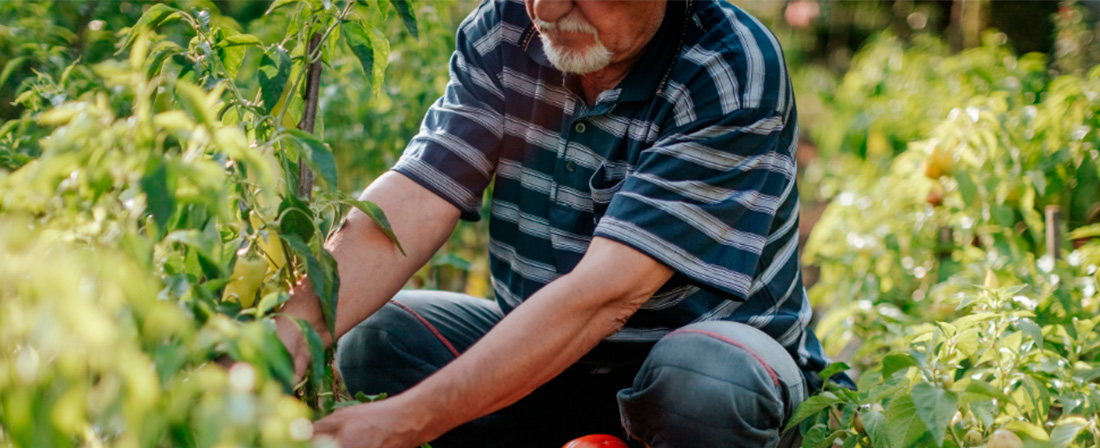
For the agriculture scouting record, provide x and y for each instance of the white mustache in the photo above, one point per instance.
(567, 24)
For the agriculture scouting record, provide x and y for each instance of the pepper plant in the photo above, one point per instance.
(912, 267)
(162, 213)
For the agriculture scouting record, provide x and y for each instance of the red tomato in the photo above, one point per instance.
(596, 441)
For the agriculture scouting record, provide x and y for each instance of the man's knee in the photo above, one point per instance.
(708, 385)
(390, 351)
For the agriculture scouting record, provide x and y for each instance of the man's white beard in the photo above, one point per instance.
(592, 58)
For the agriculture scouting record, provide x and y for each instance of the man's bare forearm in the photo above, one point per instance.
(540, 339)
(372, 269)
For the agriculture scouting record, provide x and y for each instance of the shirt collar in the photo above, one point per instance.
(646, 78)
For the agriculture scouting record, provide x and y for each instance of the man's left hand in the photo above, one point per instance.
(368, 425)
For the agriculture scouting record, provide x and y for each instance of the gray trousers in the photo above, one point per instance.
(710, 384)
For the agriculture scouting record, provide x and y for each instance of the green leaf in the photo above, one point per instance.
(316, 351)
(381, 59)
(193, 100)
(231, 57)
(1032, 329)
(817, 435)
(1029, 429)
(279, 4)
(812, 406)
(981, 387)
(895, 362)
(193, 239)
(1089, 231)
(875, 424)
(1039, 180)
(935, 407)
(452, 260)
(903, 426)
(240, 39)
(274, 72)
(10, 68)
(158, 14)
(271, 301)
(323, 282)
(160, 53)
(364, 398)
(967, 342)
(331, 298)
(375, 213)
(360, 43)
(1087, 374)
(169, 358)
(833, 369)
(405, 11)
(295, 221)
(318, 156)
(276, 356)
(159, 196)
(967, 188)
(1066, 431)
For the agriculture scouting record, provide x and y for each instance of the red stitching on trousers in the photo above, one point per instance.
(775, 378)
(424, 321)
(631, 435)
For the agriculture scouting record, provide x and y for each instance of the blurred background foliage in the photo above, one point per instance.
(936, 138)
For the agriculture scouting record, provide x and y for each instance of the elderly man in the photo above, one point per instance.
(643, 240)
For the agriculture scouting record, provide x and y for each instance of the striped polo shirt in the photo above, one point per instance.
(690, 159)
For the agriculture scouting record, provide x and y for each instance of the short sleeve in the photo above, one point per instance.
(703, 199)
(455, 152)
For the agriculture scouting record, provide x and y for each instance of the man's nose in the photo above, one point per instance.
(551, 10)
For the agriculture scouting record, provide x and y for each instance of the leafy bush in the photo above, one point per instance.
(895, 92)
(153, 220)
(912, 265)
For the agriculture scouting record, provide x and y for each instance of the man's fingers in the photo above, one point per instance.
(328, 426)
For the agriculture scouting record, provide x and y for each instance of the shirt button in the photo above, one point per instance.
(570, 166)
(580, 128)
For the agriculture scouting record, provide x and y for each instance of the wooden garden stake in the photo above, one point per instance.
(309, 116)
(1054, 230)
